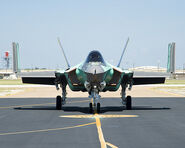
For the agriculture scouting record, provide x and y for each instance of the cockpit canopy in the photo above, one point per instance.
(95, 56)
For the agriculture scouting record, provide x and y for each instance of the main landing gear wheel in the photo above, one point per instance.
(90, 107)
(58, 102)
(98, 107)
(128, 103)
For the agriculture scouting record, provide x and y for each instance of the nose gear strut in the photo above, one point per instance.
(94, 105)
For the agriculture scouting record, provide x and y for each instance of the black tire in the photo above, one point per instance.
(90, 108)
(58, 102)
(128, 103)
(98, 107)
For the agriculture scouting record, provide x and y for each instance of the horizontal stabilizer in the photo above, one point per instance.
(39, 80)
(148, 80)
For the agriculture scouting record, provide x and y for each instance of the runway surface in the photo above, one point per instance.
(29, 119)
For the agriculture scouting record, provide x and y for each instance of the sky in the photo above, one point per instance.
(85, 25)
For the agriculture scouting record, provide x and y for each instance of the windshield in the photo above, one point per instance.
(94, 56)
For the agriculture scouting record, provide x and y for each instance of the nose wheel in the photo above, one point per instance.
(90, 107)
(94, 107)
(98, 108)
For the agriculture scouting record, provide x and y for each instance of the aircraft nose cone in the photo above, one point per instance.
(94, 69)
(94, 72)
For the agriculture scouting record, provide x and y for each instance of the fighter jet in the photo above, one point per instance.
(94, 75)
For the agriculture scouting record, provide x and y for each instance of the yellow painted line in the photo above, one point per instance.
(25, 105)
(111, 145)
(98, 125)
(39, 104)
(100, 133)
(77, 116)
(46, 130)
(98, 116)
(117, 116)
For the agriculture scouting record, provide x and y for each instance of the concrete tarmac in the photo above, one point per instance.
(29, 119)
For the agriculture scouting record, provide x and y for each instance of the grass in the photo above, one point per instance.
(11, 82)
(174, 81)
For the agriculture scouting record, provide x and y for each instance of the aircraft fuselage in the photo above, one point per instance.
(94, 73)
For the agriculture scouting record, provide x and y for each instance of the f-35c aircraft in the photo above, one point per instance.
(94, 75)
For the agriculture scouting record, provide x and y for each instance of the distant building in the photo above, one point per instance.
(7, 59)
(5, 72)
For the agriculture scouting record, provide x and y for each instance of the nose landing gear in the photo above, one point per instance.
(90, 107)
(98, 107)
(94, 105)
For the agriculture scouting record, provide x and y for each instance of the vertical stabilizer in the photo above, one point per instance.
(171, 58)
(123, 52)
(18, 57)
(68, 66)
(16, 68)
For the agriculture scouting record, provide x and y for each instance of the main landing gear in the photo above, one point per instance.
(58, 102)
(127, 101)
(61, 100)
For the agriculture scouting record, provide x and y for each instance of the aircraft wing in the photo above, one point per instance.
(129, 78)
(148, 80)
(39, 80)
(45, 80)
